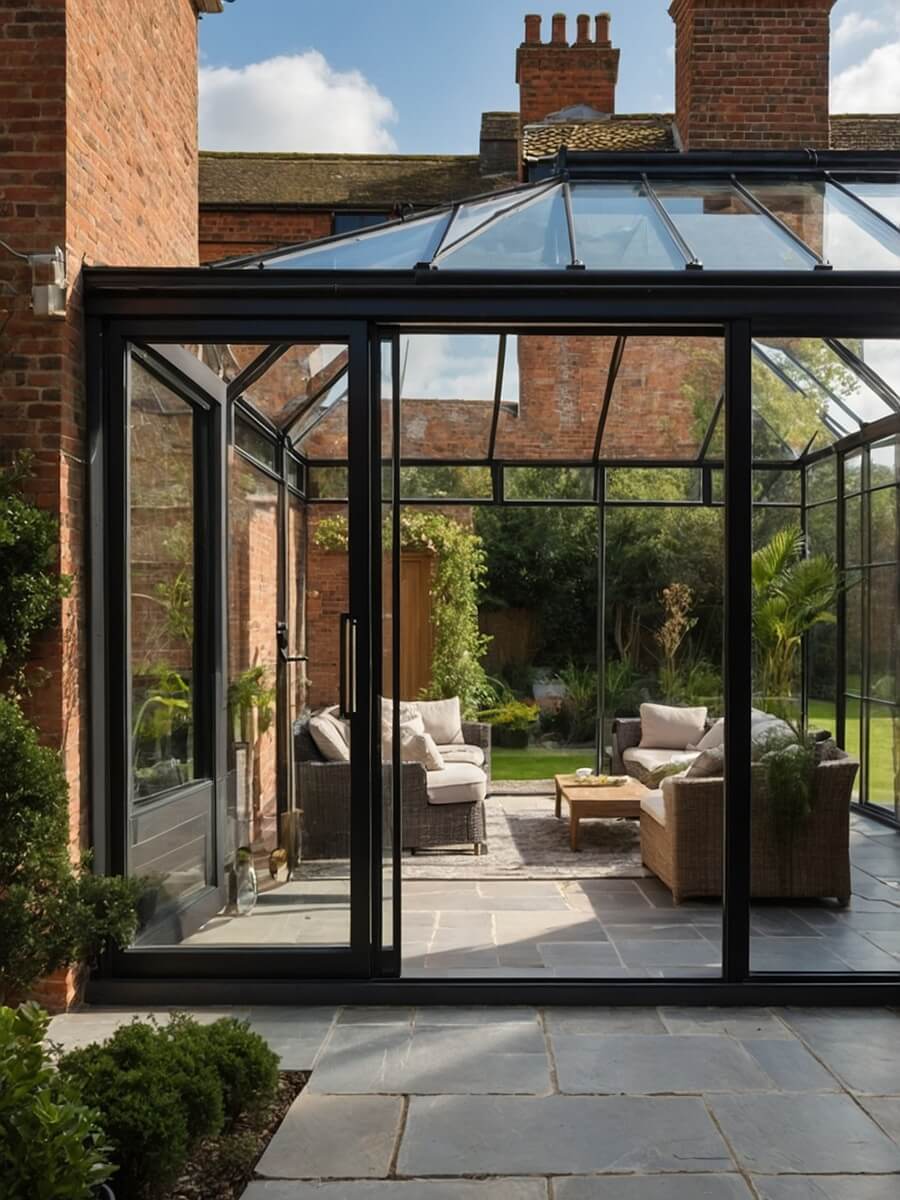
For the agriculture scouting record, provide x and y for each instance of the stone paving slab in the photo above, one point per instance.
(336, 1137)
(776, 1134)
(790, 1066)
(828, 1187)
(639, 1066)
(653, 1187)
(403, 1189)
(861, 1046)
(743, 1023)
(886, 1111)
(493, 1135)
(599, 1021)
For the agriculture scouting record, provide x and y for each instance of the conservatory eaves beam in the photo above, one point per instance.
(535, 194)
(615, 362)
(691, 261)
(864, 372)
(821, 264)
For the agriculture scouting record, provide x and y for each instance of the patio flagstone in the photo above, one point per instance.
(336, 1137)
(653, 1187)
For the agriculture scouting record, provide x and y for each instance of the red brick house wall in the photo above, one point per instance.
(554, 75)
(225, 233)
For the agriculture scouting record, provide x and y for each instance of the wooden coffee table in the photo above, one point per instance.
(621, 801)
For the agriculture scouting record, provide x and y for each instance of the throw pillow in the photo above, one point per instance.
(827, 751)
(713, 737)
(654, 778)
(710, 764)
(443, 720)
(420, 748)
(664, 727)
(327, 734)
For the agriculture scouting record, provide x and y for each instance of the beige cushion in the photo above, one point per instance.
(409, 719)
(655, 806)
(463, 754)
(443, 720)
(665, 727)
(710, 764)
(648, 760)
(713, 737)
(420, 748)
(458, 783)
(329, 733)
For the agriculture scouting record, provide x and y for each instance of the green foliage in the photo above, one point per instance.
(159, 1090)
(790, 762)
(515, 715)
(623, 690)
(460, 565)
(251, 692)
(51, 1143)
(52, 914)
(166, 708)
(30, 585)
(578, 711)
(791, 595)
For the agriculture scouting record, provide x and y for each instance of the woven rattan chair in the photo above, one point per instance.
(807, 859)
(323, 795)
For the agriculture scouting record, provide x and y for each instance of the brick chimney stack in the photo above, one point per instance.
(751, 74)
(555, 75)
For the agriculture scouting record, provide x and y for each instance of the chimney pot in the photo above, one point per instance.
(533, 27)
(584, 24)
(559, 29)
(601, 25)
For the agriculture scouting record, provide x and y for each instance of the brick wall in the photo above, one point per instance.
(555, 75)
(751, 74)
(228, 232)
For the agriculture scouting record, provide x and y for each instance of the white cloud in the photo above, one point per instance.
(872, 85)
(852, 27)
(670, 53)
(293, 102)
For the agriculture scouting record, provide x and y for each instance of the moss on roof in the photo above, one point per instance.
(865, 131)
(341, 180)
(637, 131)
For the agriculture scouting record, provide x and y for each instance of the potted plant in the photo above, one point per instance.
(512, 723)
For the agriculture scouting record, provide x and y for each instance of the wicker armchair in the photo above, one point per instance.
(323, 796)
(626, 734)
(809, 860)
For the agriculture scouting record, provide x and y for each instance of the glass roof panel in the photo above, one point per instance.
(618, 229)
(885, 197)
(447, 386)
(470, 216)
(321, 431)
(397, 247)
(532, 236)
(882, 355)
(806, 369)
(849, 400)
(832, 223)
(726, 233)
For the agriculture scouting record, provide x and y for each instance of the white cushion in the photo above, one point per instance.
(654, 806)
(649, 759)
(443, 720)
(709, 765)
(463, 754)
(762, 730)
(409, 719)
(665, 727)
(420, 748)
(713, 737)
(458, 783)
(328, 731)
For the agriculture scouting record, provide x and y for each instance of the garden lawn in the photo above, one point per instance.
(881, 746)
(537, 763)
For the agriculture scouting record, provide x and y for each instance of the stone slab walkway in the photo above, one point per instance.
(576, 1104)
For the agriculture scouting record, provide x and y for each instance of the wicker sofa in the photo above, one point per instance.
(682, 833)
(323, 796)
(626, 736)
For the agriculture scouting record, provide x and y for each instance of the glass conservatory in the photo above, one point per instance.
(291, 456)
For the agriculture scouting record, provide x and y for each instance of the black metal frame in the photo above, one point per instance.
(198, 305)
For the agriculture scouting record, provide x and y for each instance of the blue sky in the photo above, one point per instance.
(383, 75)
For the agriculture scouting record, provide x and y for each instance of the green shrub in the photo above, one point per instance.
(515, 715)
(52, 913)
(51, 1144)
(159, 1090)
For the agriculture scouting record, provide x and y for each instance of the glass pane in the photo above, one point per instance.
(847, 397)
(852, 473)
(776, 487)
(882, 639)
(391, 784)
(294, 471)
(821, 529)
(832, 224)
(227, 360)
(254, 442)
(618, 229)
(853, 531)
(447, 385)
(162, 546)
(548, 483)
(446, 483)
(397, 247)
(883, 525)
(294, 380)
(327, 483)
(787, 416)
(884, 765)
(884, 197)
(821, 480)
(672, 484)
(320, 431)
(726, 233)
(471, 216)
(532, 237)
(854, 607)
(852, 743)
(664, 399)
(884, 462)
(882, 355)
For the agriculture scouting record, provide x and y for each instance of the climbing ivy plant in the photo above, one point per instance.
(460, 566)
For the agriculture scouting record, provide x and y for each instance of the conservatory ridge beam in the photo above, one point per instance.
(691, 261)
(517, 206)
(821, 264)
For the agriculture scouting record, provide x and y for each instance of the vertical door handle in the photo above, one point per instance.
(348, 665)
